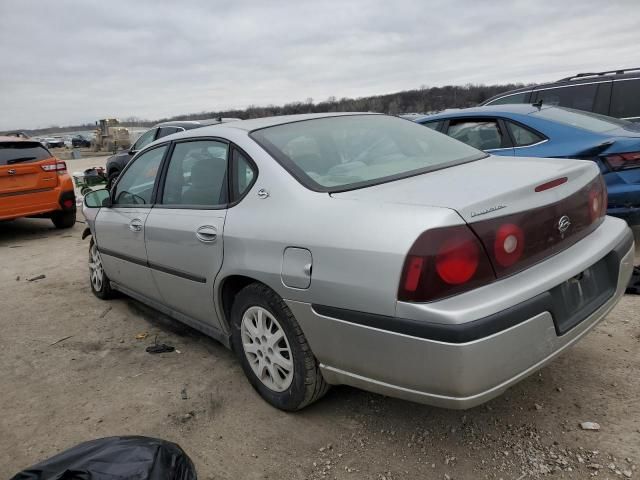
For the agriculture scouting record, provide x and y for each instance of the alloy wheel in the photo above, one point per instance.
(267, 349)
(95, 268)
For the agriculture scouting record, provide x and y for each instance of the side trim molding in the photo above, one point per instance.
(154, 266)
(449, 333)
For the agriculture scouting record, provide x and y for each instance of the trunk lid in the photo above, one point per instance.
(523, 210)
(488, 188)
(21, 169)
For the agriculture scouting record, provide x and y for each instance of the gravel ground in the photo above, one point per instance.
(72, 369)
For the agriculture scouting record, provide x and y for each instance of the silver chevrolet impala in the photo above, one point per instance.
(365, 250)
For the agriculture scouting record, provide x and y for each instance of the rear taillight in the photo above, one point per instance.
(622, 161)
(448, 261)
(443, 262)
(58, 166)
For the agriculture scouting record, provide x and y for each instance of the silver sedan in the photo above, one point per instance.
(362, 249)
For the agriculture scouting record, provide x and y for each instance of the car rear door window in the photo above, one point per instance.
(509, 99)
(22, 152)
(197, 174)
(625, 99)
(580, 97)
(522, 137)
(135, 185)
(164, 131)
(483, 134)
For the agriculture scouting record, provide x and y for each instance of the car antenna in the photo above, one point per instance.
(538, 104)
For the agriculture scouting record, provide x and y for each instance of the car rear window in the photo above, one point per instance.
(585, 120)
(352, 151)
(22, 152)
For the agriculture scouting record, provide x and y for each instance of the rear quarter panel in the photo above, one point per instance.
(358, 247)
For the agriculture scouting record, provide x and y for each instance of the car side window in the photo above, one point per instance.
(580, 97)
(509, 99)
(164, 131)
(522, 137)
(197, 175)
(625, 99)
(145, 139)
(135, 185)
(481, 134)
(244, 174)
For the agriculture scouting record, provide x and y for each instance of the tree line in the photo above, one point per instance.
(421, 100)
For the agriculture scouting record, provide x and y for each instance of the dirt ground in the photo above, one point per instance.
(71, 369)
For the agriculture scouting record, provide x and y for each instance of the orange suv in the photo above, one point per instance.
(33, 183)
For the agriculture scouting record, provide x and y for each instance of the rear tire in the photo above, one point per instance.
(64, 219)
(98, 279)
(273, 351)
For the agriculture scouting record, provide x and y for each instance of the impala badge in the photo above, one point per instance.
(563, 224)
(12, 171)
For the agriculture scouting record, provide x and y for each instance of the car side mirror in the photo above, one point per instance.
(98, 198)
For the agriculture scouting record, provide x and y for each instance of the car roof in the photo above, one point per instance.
(259, 123)
(513, 108)
(580, 78)
(187, 124)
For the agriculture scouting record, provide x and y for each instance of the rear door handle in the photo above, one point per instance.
(135, 225)
(207, 233)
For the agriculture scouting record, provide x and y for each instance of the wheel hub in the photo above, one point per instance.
(266, 348)
(95, 268)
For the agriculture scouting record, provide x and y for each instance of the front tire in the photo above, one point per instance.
(112, 178)
(273, 351)
(98, 279)
(64, 219)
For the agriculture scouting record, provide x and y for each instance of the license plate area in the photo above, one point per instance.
(580, 296)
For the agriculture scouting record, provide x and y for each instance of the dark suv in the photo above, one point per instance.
(615, 93)
(117, 162)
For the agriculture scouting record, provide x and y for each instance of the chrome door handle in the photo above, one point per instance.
(207, 234)
(135, 225)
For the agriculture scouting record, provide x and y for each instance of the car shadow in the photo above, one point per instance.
(14, 232)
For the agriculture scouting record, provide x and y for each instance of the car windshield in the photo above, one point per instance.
(586, 120)
(352, 151)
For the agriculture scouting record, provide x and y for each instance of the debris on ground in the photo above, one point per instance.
(107, 310)
(590, 426)
(61, 340)
(183, 394)
(18, 278)
(142, 336)
(160, 348)
(37, 277)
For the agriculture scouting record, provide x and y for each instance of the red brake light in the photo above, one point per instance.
(457, 260)
(622, 161)
(551, 184)
(443, 262)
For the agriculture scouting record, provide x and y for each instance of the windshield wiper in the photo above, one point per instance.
(18, 160)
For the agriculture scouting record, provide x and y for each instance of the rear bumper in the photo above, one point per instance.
(40, 203)
(460, 364)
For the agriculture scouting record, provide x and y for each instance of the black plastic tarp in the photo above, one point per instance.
(116, 458)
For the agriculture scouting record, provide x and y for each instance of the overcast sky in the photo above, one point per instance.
(66, 62)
